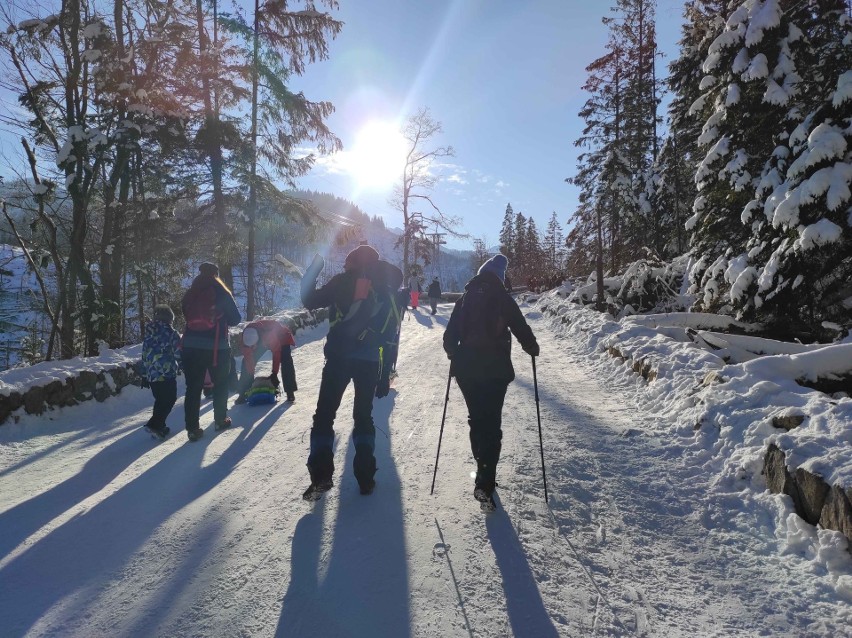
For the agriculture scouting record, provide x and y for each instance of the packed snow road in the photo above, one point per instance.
(105, 533)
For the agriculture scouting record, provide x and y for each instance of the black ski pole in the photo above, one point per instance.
(441, 435)
(540, 443)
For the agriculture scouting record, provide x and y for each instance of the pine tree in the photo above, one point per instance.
(553, 242)
(507, 233)
(749, 77)
(800, 258)
(519, 252)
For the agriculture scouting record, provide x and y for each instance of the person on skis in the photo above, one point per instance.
(357, 300)
(434, 292)
(258, 338)
(208, 308)
(479, 346)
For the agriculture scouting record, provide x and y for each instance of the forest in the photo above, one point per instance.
(745, 192)
(153, 136)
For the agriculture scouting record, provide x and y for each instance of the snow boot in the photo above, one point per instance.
(366, 487)
(194, 434)
(291, 398)
(317, 488)
(484, 493)
(223, 424)
(159, 435)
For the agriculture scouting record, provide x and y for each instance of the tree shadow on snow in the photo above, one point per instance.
(527, 614)
(364, 591)
(76, 558)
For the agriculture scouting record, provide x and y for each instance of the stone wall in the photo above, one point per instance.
(87, 384)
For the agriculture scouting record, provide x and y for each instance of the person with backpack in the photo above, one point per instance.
(479, 346)
(361, 324)
(161, 364)
(208, 308)
(258, 338)
(434, 292)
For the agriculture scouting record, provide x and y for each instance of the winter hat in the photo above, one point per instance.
(163, 313)
(250, 337)
(208, 269)
(497, 265)
(360, 258)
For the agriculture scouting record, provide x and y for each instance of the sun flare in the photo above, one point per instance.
(377, 158)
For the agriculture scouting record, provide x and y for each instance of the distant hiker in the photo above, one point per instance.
(258, 338)
(414, 289)
(209, 308)
(434, 292)
(362, 321)
(508, 283)
(478, 343)
(161, 362)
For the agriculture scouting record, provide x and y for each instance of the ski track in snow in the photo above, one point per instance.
(105, 533)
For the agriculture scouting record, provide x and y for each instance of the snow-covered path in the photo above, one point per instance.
(103, 533)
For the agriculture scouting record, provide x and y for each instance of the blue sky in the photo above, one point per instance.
(503, 77)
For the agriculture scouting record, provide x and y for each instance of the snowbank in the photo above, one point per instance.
(741, 417)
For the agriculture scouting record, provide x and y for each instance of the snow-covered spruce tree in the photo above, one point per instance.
(634, 27)
(673, 174)
(620, 142)
(747, 70)
(800, 259)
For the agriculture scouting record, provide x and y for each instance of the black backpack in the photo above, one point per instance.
(482, 323)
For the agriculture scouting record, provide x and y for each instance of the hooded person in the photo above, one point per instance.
(258, 338)
(161, 363)
(357, 300)
(209, 309)
(479, 345)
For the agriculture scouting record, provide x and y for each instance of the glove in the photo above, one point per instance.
(273, 379)
(532, 349)
(383, 387)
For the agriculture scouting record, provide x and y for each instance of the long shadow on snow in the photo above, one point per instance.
(624, 453)
(91, 549)
(365, 588)
(26, 518)
(425, 318)
(527, 614)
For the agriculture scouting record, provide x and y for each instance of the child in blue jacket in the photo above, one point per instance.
(161, 363)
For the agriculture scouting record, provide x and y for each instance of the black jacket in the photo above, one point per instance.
(490, 358)
(348, 320)
(434, 290)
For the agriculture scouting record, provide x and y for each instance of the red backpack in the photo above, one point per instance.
(199, 307)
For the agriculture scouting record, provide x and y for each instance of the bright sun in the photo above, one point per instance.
(377, 158)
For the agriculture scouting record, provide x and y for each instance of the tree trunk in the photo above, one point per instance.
(215, 155)
(252, 212)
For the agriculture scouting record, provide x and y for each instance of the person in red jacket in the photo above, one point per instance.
(259, 337)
